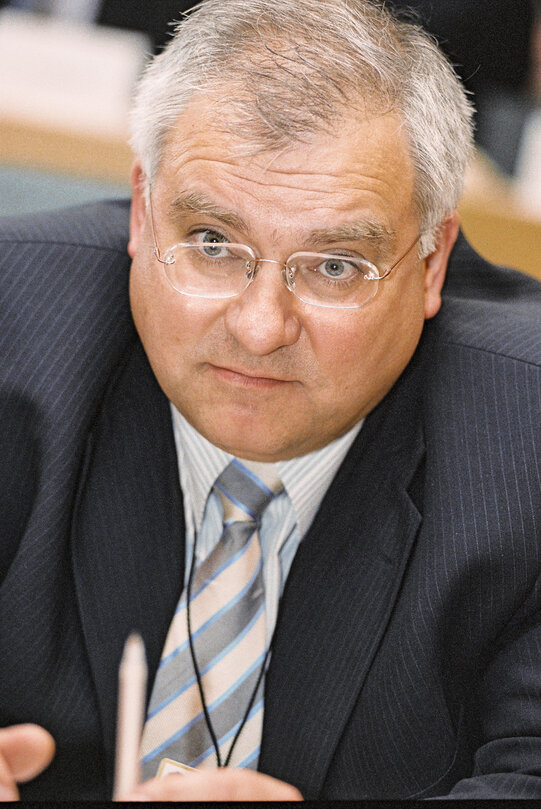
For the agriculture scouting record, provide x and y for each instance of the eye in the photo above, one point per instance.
(210, 242)
(341, 269)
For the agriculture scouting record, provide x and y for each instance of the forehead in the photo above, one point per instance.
(358, 166)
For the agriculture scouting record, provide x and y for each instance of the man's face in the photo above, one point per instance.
(264, 375)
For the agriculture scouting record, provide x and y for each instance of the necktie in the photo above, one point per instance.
(227, 627)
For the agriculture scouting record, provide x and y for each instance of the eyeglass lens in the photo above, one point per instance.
(217, 270)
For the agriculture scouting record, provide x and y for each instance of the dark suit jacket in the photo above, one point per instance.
(407, 655)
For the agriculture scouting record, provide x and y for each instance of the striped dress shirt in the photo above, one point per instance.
(285, 521)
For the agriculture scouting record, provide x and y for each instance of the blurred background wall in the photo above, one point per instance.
(495, 47)
(67, 69)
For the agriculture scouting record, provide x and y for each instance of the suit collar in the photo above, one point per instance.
(128, 530)
(341, 590)
(129, 571)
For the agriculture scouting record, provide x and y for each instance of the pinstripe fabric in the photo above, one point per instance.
(65, 326)
(408, 637)
(479, 543)
(287, 517)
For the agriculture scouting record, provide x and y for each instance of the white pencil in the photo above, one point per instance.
(132, 678)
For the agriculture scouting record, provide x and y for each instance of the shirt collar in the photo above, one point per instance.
(200, 463)
(305, 479)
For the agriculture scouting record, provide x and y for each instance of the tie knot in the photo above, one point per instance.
(245, 494)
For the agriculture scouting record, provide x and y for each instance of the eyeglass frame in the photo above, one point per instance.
(251, 274)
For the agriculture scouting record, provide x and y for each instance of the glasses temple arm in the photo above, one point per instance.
(156, 249)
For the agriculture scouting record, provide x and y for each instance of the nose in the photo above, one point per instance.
(264, 317)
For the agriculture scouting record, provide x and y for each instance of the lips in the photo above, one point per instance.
(248, 378)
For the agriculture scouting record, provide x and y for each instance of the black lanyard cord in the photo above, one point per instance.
(197, 671)
(194, 658)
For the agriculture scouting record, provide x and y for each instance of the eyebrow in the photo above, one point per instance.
(363, 230)
(193, 202)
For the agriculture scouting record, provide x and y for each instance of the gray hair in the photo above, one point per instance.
(287, 67)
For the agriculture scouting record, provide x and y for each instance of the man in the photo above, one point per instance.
(291, 229)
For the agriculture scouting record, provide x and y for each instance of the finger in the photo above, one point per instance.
(225, 784)
(8, 787)
(26, 750)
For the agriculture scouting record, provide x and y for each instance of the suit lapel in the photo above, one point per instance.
(128, 560)
(128, 530)
(340, 593)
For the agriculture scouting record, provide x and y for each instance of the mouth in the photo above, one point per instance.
(247, 379)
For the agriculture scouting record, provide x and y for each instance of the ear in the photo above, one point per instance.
(436, 265)
(138, 207)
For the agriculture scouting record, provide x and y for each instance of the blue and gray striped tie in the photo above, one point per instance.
(227, 617)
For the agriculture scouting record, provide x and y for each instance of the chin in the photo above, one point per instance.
(257, 444)
(254, 449)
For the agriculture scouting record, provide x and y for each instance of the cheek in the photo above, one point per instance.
(398, 331)
(363, 352)
(346, 358)
(173, 328)
(141, 295)
(156, 314)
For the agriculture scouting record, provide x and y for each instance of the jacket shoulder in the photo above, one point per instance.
(102, 225)
(489, 308)
(65, 329)
(61, 269)
(64, 299)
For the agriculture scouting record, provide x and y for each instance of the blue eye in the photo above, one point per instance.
(338, 268)
(211, 241)
(334, 268)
